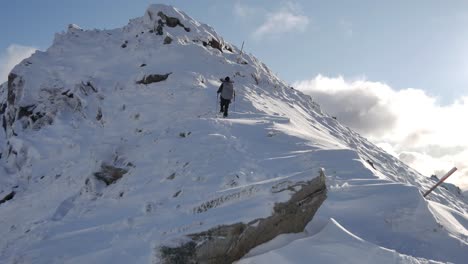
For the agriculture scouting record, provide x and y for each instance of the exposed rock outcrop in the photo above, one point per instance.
(14, 82)
(109, 174)
(214, 44)
(167, 40)
(227, 243)
(152, 78)
(15, 88)
(8, 197)
(172, 21)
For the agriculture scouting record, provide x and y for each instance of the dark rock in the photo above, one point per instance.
(159, 28)
(68, 94)
(170, 22)
(143, 65)
(167, 40)
(123, 46)
(90, 85)
(177, 193)
(25, 111)
(371, 163)
(8, 197)
(228, 243)
(214, 44)
(109, 174)
(173, 22)
(15, 86)
(2, 108)
(87, 88)
(152, 78)
(99, 114)
(36, 116)
(172, 176)
(4, 124)
(11, 88)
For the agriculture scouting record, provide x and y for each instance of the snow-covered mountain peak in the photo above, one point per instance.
(113, 150)
(158, 14)
(73, 27)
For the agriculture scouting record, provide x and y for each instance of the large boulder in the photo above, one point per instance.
(227, 243)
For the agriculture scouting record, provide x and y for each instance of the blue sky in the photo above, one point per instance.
(417, 44)
(395, 71)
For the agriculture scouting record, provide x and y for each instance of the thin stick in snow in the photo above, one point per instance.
(240, 58)
(441, 180)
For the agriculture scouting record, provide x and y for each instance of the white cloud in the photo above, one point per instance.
(406, 123)
(13, 55)
(244, 11)
(287, 19)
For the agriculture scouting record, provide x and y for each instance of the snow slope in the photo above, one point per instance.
(179, 156)
(333, 244)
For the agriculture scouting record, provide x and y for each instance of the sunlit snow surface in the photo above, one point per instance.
(180, 155)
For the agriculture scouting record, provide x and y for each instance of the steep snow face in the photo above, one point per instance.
(140, 102)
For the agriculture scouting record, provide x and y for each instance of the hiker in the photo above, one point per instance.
(227, 93)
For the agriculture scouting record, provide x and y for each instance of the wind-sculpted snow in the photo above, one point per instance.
(333, 244)
(178, 170)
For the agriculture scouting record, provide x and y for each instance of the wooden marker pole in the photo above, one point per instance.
(441, 180)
